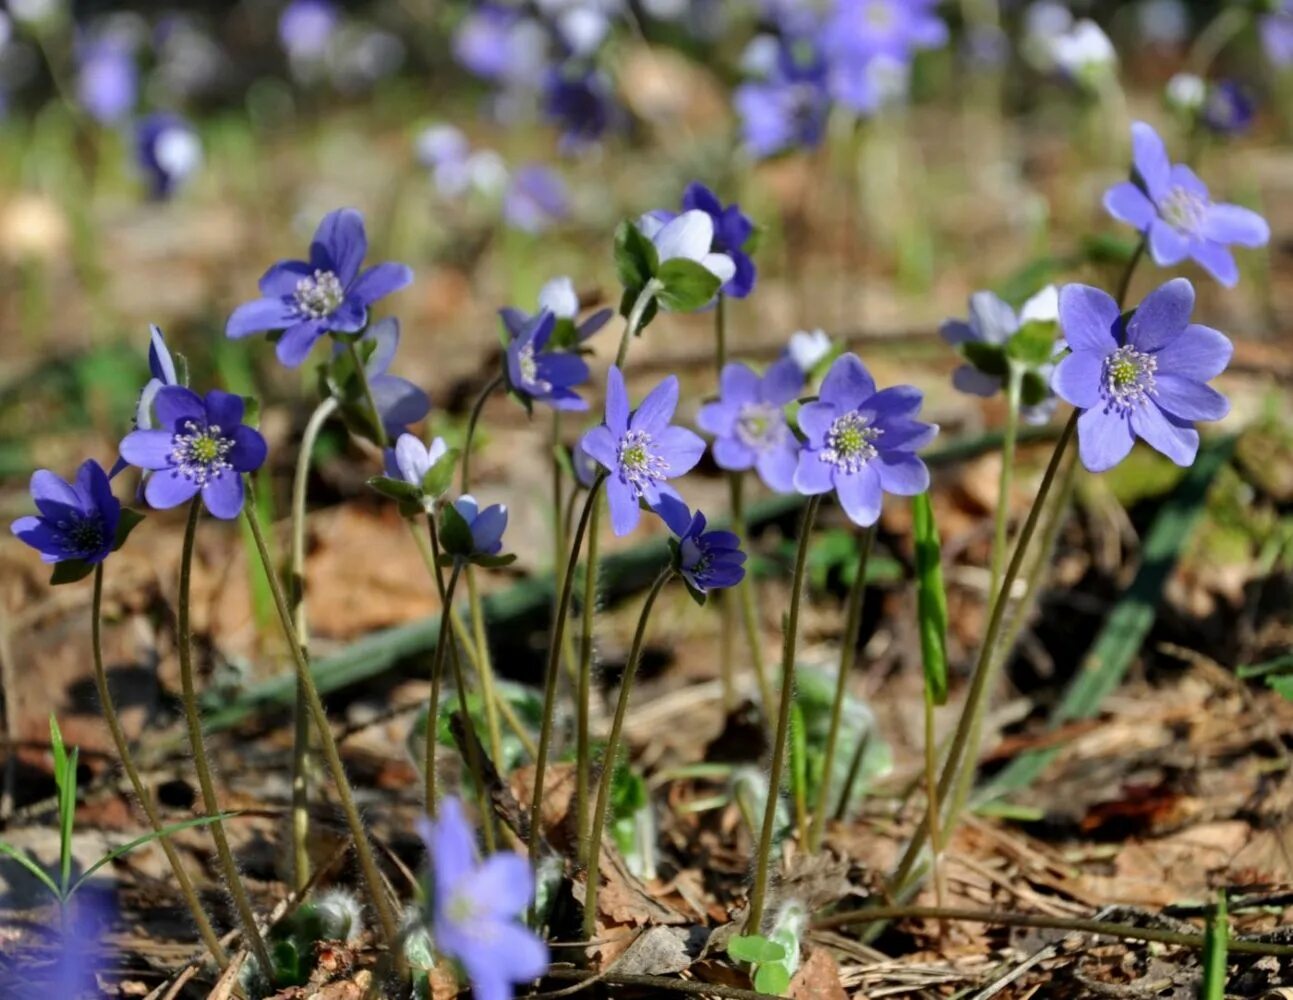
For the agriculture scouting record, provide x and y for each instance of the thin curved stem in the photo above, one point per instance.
(388, 926)
(848, 655)
(1124, 285)
(472, 420)
(584, 686)
(379, 427)
(591, 850)
(747, 595)
(209, 937)
(559, 540)
(201, 765)
(433, 704)
(301, 711)
(1218, 33)
(634, 322)
(1001, 520)
(554, 666)
(762, 858)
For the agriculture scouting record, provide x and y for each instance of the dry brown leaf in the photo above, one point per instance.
(817, 979)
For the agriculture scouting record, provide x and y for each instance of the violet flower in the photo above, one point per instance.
(486, 528)
(107, 81)
(641, 449)
(558, 296)
(706, 560)
(410, 460)
(749, 422)
(200, 445)
(858, 30)
(1228, 109)
(788, 109)
(76, 520)
(1142, 377)
(862, 443)
(167, 151)
(536, 374)
(161, 366)
(399, 402)
(732, 230)
(327, 294)
(476, 907)
(1171, 206)
(498, 42)
(536, 199)
(306, 27)
(1276, 30)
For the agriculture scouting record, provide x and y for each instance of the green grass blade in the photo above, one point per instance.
(148, 838)
(36, 870)
(1214, 952)
(65, 779)
(931, 598)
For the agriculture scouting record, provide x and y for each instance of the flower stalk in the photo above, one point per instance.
(433, 703)
(634, 322)
(1001, 521)
(584, 686)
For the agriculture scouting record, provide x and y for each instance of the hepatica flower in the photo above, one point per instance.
(326, 294)
(1276, 30)
(1139, 378)
(76, 520)
(706, 560)
(749, 422)
(732, 231)
(862, 443)
(199, 445)
(558, 296)
(470, 534)
(107, 81)
(1171, 206)
(398, 400)
(689, 236)
(536, 199)
(808, 349)
(476, 907)
(860, 29)
(787, 109)
(168, 151)
(581, 104)
(410, 460)
(640, 450)
(536, 374)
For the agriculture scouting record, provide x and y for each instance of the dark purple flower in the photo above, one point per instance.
(306, 27)
(749, 422)
(581, 104)
(1228, 108)
(861, 29)
(536, 198)
(1170, 205)
(862, 443)
(200, 446)
(640, 450)
(168, 151)
(161, 366)
(76, 520)
(541, 375)
(398, 400)
(476, 907)
(107, 82)
(559, 297)
(327, 294)
(706, 560)
(1140, 378)
(1276, 29)
(788, 109)
(732, 230)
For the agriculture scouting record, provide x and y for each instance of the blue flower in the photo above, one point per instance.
(168, 151)
(410, 460)
(1228, 108)
(498, 42)
(1139, 378)
(862, 443)
(536, 199)
(540, 375)
(706, 560)
(107, 82)
(640, 450)
(788, 109)
(486, 526)
(67, 970)
(161, 366)
(1276, 29)
(732, 230)
(306, 27)
(327, 294)
(1171, 206)
(581, 104)
(200, 445)
(476, 907)
(749, 422)
(76, 520)
(861, 29)
(398, 400)
(558, 296)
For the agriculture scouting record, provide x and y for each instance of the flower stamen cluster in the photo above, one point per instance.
(529, 368)
(761, 426)
(640, 465)
(1184, 210)
(1128, 377)
(199, 453)
(319, 294)
(850, 442)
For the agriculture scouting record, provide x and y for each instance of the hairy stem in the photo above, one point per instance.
(209, 937)
(433, 703)
(763, 857)
(748, 596)
(193, 718)
(591, 850)
(584, 687)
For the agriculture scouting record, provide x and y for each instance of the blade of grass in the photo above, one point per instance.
(931, 598)
(36, 870)
(1215, 951)
(148, 838)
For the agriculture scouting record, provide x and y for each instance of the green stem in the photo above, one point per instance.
(634, 321)
(472, 420)
(726, 599)
(433, 703)
(592, 849)
(201, 765)
(1001, 522)
(209, 937)
(848, 654)
(301, 711)
(554, 666)
(850, 779)
(746, 594)
(388, 925)
(1124, 285)
(584, 692)
(379, 428)
(763, 857)
(931, 796)
(559, 540)
(1228, 23)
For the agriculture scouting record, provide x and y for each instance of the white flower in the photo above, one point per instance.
(413, 459)
(1084, 51)
(1044, 307)
(559, 297)
(807, 349)
(1186, 92)
(689, 236)
(178, 152)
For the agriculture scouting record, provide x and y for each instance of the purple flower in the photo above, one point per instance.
(327, 294)
(67, 970)
(306, 27)
(498, 42)
(476, 906)
(749, 422)
(161, 367)
(866, 85)
(1276, 31)
(1170, 205)
(862, 443)
(540, 375)
(168, 151)
(535, 199)
(486, 527)
(581, 104)
(788, 109)
(410, 460)
(200, 446)
(860, 29)
(640, 450)
(1228, 109)
(76, 520)
(584, 465)
(107, 82)
(732, 229)
(706, 560)
(558, 296)
(398, 400)
(1142, 377)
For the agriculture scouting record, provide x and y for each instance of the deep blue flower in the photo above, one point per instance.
(398, 400)
(1228, 108)
(107, 81)
(1139, 378)
(161, 368)
(641, 449)
(544, 376)
(581, 103)
(749, 422)
(786, 110)
(327, 294)
(1171, 206)
(487, 526)
(732, 230)
(536, 198)
(706, 560)
(76, 520)
(200, 445)
(168, 151)
(862, 443)
(557, 296)
(476, 907)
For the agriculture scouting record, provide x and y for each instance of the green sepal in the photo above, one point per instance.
(1033, 389)
(565, 335)
(755, 949)
(649, 312)
(696, 595)
(636, 260)
(493, 562)
(129, 520)
(987, 358)
(1033, 344)
(70, 571)
(772, 979)
(455, 532)
(685, 285)
(251, 411)
(439, 477)
(396, 489)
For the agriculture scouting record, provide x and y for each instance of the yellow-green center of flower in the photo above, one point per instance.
(1184, 210)
(639, 466)
(1128, 378)
(760, 426)
(877, 15)
(850, 442)
(200, 453)
(319, 295)
(461, 909)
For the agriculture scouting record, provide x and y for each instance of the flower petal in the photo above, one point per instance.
(1234, 224)
(1166, 244)
(617, 402)
(1175, 439)
(450, 846)
(689, 236)
(957, 331)
(1200, 353)
(503, 885)
(901, 473)
(223, 496)
(657, 408)
(679, 447)
(782, 382)
(487, 529)
(260, 316)
(720, 265)
(1149, 156)
(994, 320)
(972, 382)
(848, 384)
(1186, 399)
(1162, 315)
(1217, 261)
(51, 492)
(1077, 379)
(860, 495)
(160, 362)
(1127, 203)
(165, 490)
(777, 466)
(719, 418)
(297, 342)
(249, 449)
(177, 405)
(815, 420)
(280, 281)
(738, 383)
(224, 409)
(623, 503)
(379, 281)
(340, 244)
(897, 402)
(40, 536)
(1104, 438)
(812, 475)
(1088, 317)
(602, 446)
(147, 449)
(732, 455)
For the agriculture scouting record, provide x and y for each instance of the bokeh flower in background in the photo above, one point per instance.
(1228, 109)
(107, 80)
(808, 349)
(1276, 30)
(455, 167)
(306, 29)
(167, 151)
(786, 109)
(500, 43)
(76, 520)
(858, 30)
(558, 296)
(582, 106)
(536, 199)
(748, 422)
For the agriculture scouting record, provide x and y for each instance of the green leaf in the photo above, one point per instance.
(1214, 952)
(772, 979)
(987, 358)
(1282, 685)
(130, 520)
(1033, 344)
(636, 260)
(1028, 280)
(70, 571)
(755, 949)
(251, 411)
(1033, 389)
(148, 838)
(494, 562)
(455, 532)
(32, 867)
(395, 489)
(439, 477)
(686, 285)
(649, 312)
(1106, 248)
(65, 780)
(1278, 665)
(931, 598)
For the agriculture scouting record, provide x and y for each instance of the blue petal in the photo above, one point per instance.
(340, 244)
